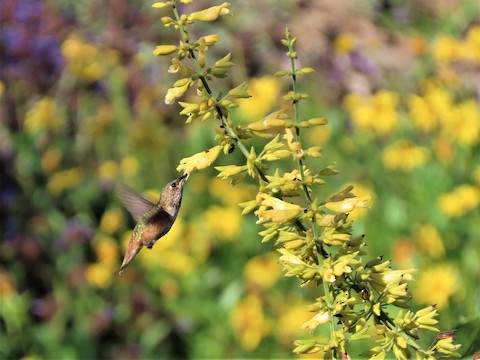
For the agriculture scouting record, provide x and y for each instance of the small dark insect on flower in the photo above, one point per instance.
(231, 148)
(365, 294)
(446, 334)
(207, 151)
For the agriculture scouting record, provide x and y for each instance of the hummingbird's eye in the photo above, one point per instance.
(174, 185)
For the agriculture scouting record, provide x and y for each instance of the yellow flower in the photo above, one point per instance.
(321, 318)
(445, 49)
(44, 115)
(164, 50)
(210, 14)
(462, 123)
(265, 93)
(429, 241)
(224, 222)
(392, 276)
(376, 114)
(177, 91)
(262, 270)
(199, 161)
(249, 323)
(460, 201)
(99, 275)
(349, 204)
(65, 180)
(129, 166)
(290, 319)
(436, 284)
(108, 170)
(422, 115)
(288, 258)
(111, 221)
(344, 43)
(107, 251)
(85, 60)
(472, 44)
(281, 211)
(404, 155)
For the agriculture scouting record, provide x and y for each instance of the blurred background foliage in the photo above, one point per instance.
(82, 109)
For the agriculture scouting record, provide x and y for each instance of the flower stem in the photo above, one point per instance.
(204, 81)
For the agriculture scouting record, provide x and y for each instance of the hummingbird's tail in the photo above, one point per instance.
(133, 248)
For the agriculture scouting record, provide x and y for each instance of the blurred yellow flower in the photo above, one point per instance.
(44, 115)
(460, 201)
(111, 221)
(405, 156)
(428, 240)
(230, 194)
(436, 284)
(472, 44)
(445, 49)
(376, 114)
(7, 287)
(51, 160)
(344, 43)
(129, 166)
(210, 14)
(249, 322)
(265, 94)
(403, 252)
(85, 60)
(65, 180)
(107, 251)
(462, 123)
(224, 222)
(99, 275)
(290, 319)
(108, 170)
(263, 270)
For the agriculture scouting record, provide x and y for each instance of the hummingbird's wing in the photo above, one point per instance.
(134, 202)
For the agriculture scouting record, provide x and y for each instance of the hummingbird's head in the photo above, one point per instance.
(172, 193)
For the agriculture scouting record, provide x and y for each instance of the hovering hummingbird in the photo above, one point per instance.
(153, 220)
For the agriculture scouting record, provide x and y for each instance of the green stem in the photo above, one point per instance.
(231, 132)
(326, 285)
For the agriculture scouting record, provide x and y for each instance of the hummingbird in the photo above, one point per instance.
(153, 220)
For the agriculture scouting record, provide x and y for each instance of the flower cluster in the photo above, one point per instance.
(314, 235)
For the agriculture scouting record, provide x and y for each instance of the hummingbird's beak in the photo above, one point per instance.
(185, 176)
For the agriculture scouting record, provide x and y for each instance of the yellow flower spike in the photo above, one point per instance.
(200, 160)
(210, 14)
(321, 318)
(161, 50)
(349, 204)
